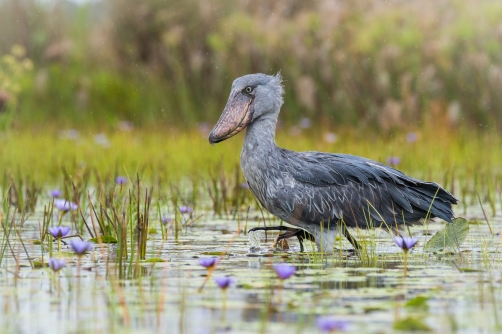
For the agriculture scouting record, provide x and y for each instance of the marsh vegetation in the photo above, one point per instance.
(152, 217)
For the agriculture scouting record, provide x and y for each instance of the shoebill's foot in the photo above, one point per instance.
(290, 232)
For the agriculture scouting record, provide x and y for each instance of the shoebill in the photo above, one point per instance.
(320, 194)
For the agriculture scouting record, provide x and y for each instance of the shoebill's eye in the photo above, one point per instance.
(248, 89)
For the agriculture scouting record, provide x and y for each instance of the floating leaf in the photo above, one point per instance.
(155, 259)
(475, 222)
(65, 254)
(105, 239)
(451, 236)
(213, 253)
(419, 303)
(374, 308)
(37, 264)
(470, 270)
(411, 325)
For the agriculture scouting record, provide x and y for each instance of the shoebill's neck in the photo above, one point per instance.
(260, 135)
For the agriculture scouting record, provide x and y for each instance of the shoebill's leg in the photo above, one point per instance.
(290, 232)
(350, 238)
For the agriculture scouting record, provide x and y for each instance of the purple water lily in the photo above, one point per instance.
(69, 134)
(208, 262)
(405, 243)
(126, 126)
(224, 282)
(55, 193)
(121, 180)
(102, 139)
(165, 220)
(56, 264)
(64, 205)
(284, 270)
(81, 247)
(393, 161)
(305, 123)
(330, 324)
(411, 137)
(330, 137)
(59, 231)
(185, 209)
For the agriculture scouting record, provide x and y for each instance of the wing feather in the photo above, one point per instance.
(329, 187)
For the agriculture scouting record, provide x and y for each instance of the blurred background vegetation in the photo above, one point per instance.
(362, 65)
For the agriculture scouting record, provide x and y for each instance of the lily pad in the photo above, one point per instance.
(63, 254)
(106, 239)
(411, 325)
(155, 259)
(419, 303)
(450, 237)
(470, 270)
(37, 264)
(213, 253)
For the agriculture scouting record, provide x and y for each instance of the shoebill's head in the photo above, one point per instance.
(253, 96)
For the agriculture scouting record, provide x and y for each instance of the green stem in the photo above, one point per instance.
(78, 272)
(224, 305)
(405, 262)
(281, 286)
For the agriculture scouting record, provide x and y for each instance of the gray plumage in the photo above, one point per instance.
(319, 191)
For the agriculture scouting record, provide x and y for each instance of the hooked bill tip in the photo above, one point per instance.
(211, 139)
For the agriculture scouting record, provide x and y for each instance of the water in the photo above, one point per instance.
(463, 289)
